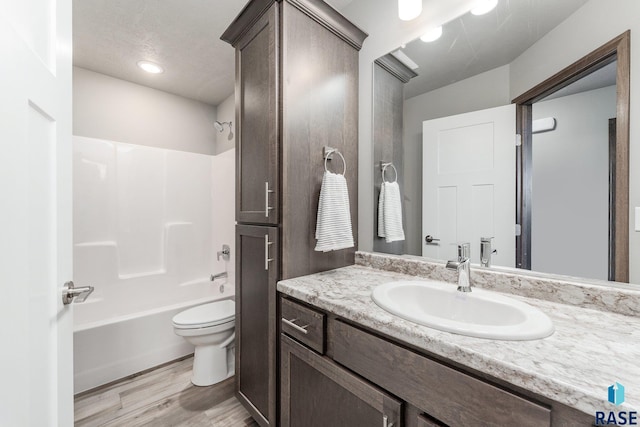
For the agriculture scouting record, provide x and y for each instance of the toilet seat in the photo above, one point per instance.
(206, 315)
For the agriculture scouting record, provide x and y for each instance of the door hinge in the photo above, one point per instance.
(518, 230)
(518, 140)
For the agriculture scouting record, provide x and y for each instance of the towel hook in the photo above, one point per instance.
(384, 169)
(328, 152)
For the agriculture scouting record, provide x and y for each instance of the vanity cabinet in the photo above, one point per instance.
(255, 302)
(365, 376)
(317, 392)
(296, 92)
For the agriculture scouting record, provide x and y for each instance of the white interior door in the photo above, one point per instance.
(469, 183)
(36, 387)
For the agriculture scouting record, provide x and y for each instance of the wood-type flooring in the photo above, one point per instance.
(162, 397)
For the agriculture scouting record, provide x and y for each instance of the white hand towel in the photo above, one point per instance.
(381, 199)
(333, 226)
(390, 212)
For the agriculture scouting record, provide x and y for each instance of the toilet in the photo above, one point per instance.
(211, 329)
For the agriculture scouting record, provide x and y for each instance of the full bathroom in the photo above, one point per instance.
(154, 220)
(154, 200)
(305, 213)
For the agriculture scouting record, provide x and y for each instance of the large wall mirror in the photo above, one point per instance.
(541, 176)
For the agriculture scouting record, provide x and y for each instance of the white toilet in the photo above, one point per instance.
(210, 328)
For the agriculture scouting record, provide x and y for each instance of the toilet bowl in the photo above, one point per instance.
(210, 328)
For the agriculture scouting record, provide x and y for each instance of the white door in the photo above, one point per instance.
(468, 188)
(36, 364)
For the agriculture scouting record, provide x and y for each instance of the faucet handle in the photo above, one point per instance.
(464, 251)
(225, 253)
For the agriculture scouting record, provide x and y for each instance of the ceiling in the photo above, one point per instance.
(603, 77)
(474, 44)
(183, 36)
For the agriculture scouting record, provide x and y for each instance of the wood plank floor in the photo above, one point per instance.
(162, 397)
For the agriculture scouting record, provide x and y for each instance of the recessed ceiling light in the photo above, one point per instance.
(150, 67)
(432, 35)
(409, 9)
(484, 6)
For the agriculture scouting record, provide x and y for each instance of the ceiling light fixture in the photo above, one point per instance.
(484, 6)
(150, 67)
(432, 35)
(409, 9)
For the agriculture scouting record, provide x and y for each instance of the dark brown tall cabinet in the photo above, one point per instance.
(296, 92)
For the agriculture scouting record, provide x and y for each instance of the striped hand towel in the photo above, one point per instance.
(390, 212)
(333, 226)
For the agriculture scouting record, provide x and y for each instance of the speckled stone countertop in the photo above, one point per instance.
(590, 349)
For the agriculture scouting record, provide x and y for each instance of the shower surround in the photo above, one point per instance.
(147, 225)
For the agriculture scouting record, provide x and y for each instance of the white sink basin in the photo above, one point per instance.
(479, 313)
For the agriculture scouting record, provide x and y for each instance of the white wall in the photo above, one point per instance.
(486, 90)
(116, 111)
(140, 212)
(224, 209)
(226, 112)
(570, 178)
(112, 109)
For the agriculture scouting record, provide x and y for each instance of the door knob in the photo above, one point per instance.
(69, 292)
(429, 239)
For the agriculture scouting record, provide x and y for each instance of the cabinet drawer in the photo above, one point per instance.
(450, 396)
(302, 323)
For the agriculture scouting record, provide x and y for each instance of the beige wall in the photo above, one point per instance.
(108, 108)
(226, 112)
(591, 26)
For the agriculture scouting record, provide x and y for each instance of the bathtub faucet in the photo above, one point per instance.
(219, 276)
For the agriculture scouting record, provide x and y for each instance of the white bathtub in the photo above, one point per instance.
(125, 329)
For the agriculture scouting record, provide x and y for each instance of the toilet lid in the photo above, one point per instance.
(202, 316)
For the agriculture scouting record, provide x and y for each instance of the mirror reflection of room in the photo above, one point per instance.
(445, 114)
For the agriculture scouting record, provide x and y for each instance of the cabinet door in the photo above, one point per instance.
(257, 156)
(256, 276)
(316, 392)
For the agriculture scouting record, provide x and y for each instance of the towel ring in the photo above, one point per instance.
(384, 169)
(328, 155)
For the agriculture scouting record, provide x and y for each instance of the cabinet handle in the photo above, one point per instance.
(267, 208)
(385, 422)
(267, 260)
(302, 329)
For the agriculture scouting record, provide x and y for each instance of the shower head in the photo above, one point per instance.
(220, 125)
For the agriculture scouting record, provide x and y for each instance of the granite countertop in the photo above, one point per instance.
(589, 351)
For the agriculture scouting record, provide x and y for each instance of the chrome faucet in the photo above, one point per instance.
(463, 267)
(486, 251)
